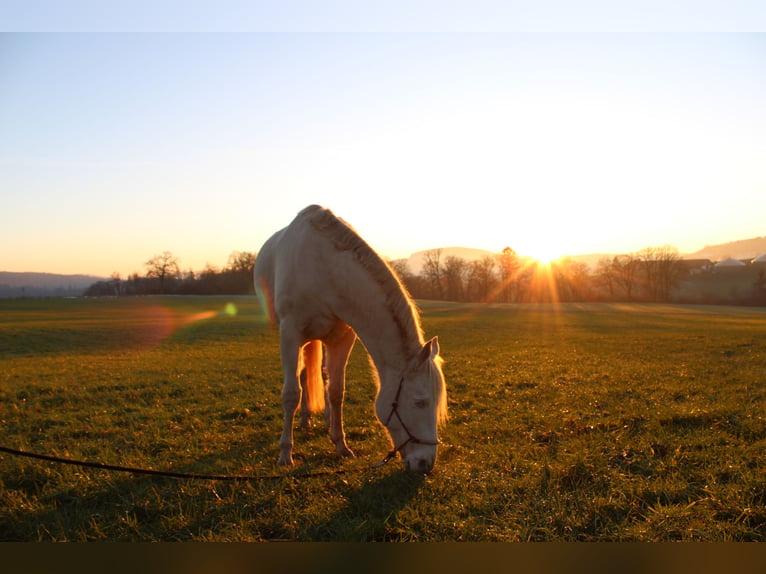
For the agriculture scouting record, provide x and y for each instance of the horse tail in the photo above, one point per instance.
(314, 386)
(266, 299)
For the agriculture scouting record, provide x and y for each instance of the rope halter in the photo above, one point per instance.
(411, 438)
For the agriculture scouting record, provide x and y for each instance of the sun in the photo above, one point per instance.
(545, 254)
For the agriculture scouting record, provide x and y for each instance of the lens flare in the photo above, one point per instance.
(159, 323)
(201, 316)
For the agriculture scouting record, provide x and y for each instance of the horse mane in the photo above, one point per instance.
(440, 391)
(345, 238)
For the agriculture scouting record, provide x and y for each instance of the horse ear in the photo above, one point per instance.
(430, 350)
(434, 347)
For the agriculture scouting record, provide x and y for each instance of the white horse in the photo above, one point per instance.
(322, 285)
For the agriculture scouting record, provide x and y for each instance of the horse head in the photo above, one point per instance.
(416, 410)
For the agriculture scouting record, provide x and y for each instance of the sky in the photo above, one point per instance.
(120, 140)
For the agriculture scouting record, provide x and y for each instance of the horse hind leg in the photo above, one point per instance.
(291, 393)
(338, 352)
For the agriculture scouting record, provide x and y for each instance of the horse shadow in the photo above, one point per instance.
(370, 512)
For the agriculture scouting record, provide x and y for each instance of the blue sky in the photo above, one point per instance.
(393, 15)
(115, 147)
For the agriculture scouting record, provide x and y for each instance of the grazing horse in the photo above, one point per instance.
(323, 285)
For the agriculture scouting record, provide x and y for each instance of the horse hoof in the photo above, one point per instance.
(346, 452)
(285, 461)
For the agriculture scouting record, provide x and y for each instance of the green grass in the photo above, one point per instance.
(588, 422)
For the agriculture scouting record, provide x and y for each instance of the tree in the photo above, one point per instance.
(209, 279)
(626, 269)
(432, 269)
(238, 275)
(572, 280)
(508, 268)
(241, 262)
(116, 283)
(759, 288)
(482, 278)
(414, 284)
(400, 268)
(606, 275)
(455, 270)
(163, 267)
(662, 271)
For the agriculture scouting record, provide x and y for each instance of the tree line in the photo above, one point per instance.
(164, 277)
(652, 274)
(648, 275)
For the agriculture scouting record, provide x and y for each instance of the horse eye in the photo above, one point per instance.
(421, 403)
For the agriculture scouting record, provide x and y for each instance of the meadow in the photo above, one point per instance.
(574, 422)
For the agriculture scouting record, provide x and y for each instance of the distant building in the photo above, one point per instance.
(729, 264)
(697, 266)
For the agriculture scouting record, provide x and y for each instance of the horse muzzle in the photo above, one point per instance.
(419, 460)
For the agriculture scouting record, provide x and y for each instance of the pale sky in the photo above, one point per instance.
(117, 146)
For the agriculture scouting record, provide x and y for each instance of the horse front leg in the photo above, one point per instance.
(291, 393)
(338, 352)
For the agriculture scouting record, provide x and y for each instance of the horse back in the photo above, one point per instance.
(297, 272)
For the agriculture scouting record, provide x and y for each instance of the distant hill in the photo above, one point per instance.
(742, 249)
(44, 284)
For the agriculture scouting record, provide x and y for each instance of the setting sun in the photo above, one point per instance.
(546, 256)
(544, 253)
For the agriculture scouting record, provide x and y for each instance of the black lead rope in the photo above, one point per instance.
(187, 475)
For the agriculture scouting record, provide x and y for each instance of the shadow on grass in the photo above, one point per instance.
(370, 512)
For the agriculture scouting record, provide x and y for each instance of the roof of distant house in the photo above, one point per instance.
(730, 262)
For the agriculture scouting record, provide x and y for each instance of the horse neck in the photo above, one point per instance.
(390, 343)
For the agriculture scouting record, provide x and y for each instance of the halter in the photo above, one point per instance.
(410, 437)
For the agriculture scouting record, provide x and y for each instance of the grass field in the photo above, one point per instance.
(589, 422)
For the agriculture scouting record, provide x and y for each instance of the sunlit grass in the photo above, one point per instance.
(567, 422)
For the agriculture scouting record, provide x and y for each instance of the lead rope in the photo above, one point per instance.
(190, 475)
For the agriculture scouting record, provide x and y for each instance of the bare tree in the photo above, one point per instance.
(238, 274)
(626, 269)
(482, 278)
(455, 271)
(241, 262)
(432, 269)
(508, 268)
(572, 280)
(401, 269)
(412, 283)
(606, 275)
(163, 267)
(662, 270)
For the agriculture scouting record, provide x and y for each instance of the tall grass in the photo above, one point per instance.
(573, 422)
